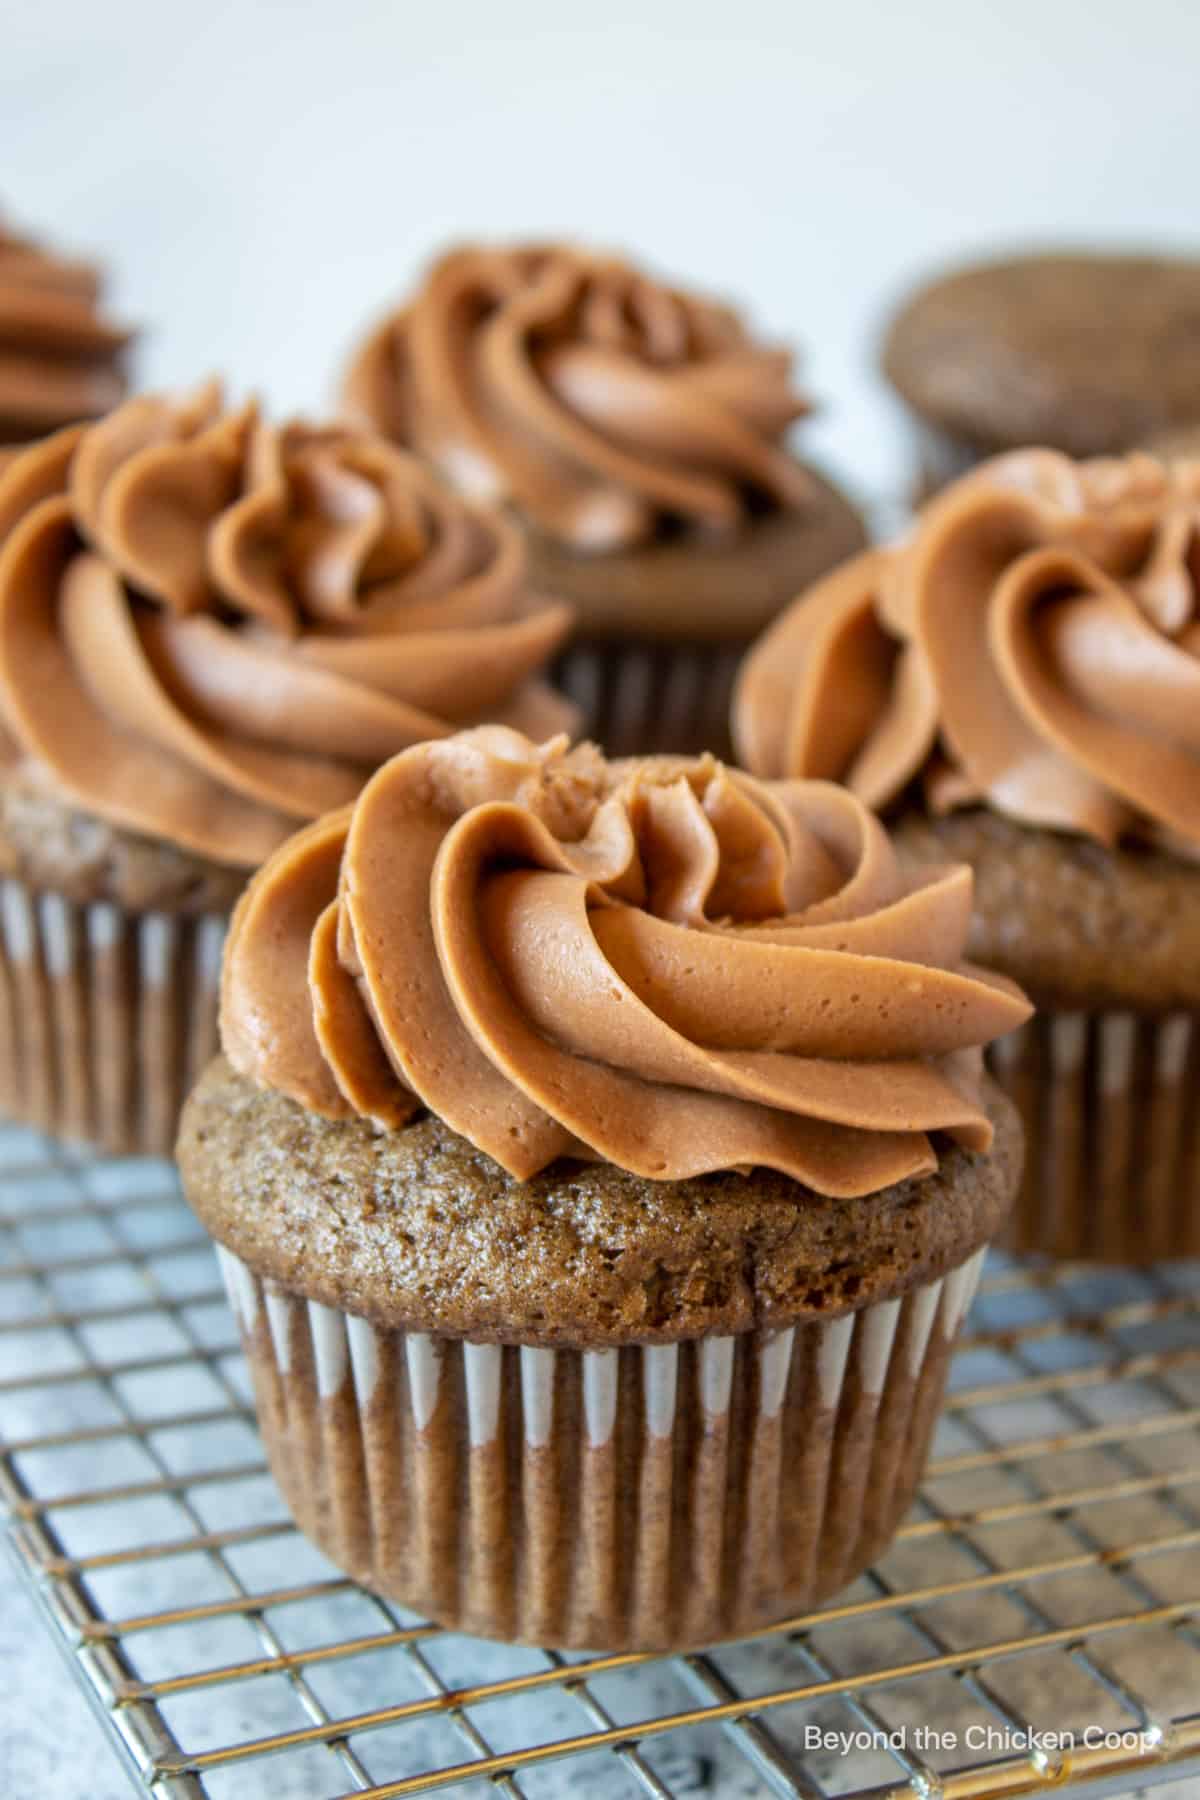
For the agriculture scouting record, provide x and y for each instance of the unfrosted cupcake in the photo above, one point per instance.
(212, 629)
(601, 1164)
(638, 433)
(1088, 352)
(61, 359)
(1182, 444)
(1017, 684)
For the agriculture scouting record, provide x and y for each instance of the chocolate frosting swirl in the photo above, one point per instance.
(663, 964)
(213, 628)
(60, 359)
(602, 404)
(1033, 645)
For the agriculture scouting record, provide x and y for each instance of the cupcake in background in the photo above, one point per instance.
(61, 359)
(601, 1164)
(639, 434)
(1088, 353)
(1180, 445)
(1017, 685)
(212, 629)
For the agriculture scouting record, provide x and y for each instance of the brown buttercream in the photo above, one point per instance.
(60, 359)
(662, 964)
(1033, 645)
(603, 405)
(213, 628)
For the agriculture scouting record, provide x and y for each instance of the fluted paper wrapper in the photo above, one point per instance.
(1110, 1103)
(650, 1497)
(652, 699)
(106, 1017)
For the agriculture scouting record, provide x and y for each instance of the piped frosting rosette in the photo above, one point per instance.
(1033, 645)
(60, 358)
(664, 964)
(213, 628)
(602, 404)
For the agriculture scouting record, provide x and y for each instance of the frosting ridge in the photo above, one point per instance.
(60, 358)
(1033, 645)
(664, 964)
(601, 403)
(213, 628)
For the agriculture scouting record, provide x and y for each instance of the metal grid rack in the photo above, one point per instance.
(1047, 1582)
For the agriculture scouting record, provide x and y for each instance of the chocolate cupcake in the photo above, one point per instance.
(212, 629)
(61, 360)
(1180, 445)
(1086, 353)
(601, 1164)
(638, 434)
(1018, 684)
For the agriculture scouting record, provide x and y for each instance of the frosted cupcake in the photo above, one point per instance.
(639, 434)
(601, 1163)
(212, 629)
(1018, 685)
(61, 358)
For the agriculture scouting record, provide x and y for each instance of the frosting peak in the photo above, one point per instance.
(60, 359)
(601, 403)
(213, 628)
(1033, 644)
(664, 964)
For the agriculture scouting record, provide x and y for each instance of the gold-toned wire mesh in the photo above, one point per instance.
(1046, 1587)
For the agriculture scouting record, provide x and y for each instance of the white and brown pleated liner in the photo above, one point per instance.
(648, 1497)
(106, 1017)
(1110, 1103)
(650, 699)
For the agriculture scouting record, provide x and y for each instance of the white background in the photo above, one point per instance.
(263, 177)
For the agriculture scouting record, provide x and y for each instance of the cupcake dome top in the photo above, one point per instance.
(60, 358)
(662, 964)
(213, 628)
(604, 405)
(1090, 352)
(1033, 645)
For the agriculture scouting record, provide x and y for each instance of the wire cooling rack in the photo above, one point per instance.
(1036, 1624)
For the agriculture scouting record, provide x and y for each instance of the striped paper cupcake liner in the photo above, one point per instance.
(1110, 1103)
(106, 1017)
(648, 1497)
(647, 699)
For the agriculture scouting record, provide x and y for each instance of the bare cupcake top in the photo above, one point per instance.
(213, 628)
(601, 403)
(1033, 645)
(60, 358)
(1090, 352)
(662, 964)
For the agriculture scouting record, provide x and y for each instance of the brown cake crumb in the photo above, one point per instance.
(1090, 353)
(1080, 927)
(416, 1229)
(51, 845)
